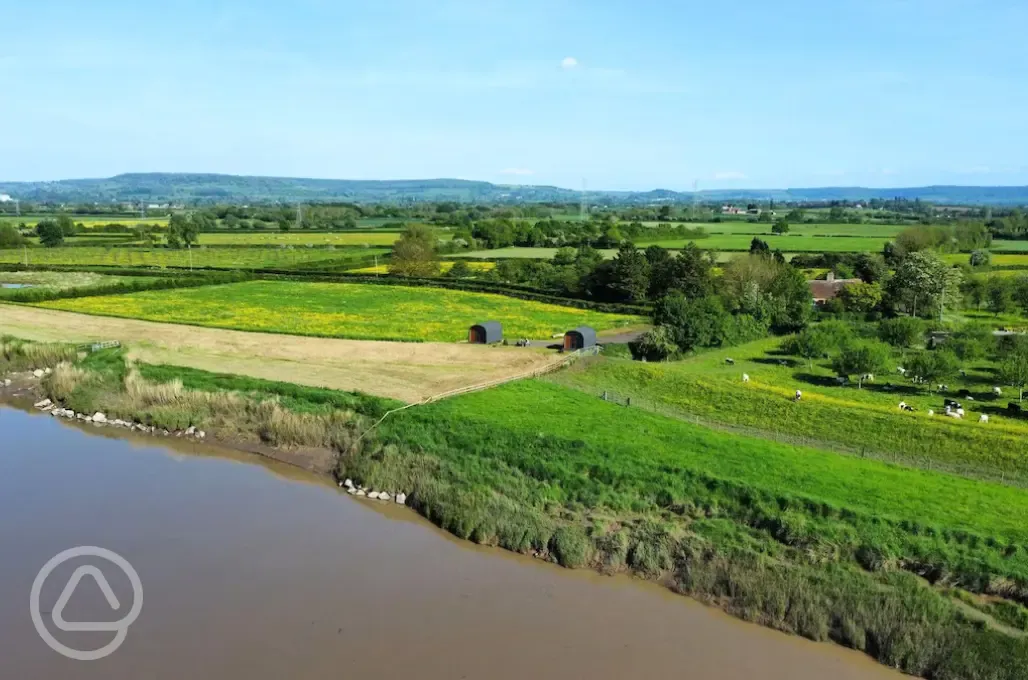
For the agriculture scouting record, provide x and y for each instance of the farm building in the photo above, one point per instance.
(828, 289)
(485, 333)
(579, 338)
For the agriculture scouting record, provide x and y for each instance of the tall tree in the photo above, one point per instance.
(861, 358)
(923, 283)
(50, 233)
(414, 254)
(810, 343)
(629, 275)
(933, 366)
(1013, 366)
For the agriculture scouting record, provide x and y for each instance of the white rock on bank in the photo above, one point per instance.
(190, 430)
(401, 498)
(7, 382)
(43, 404)
(373, 494)
(99, 418)
(201, 434)
(348, 483)
(360, 492)
(37, 373)
(351, 490)
(48, 370)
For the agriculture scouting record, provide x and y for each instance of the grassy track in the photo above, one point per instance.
(298, 238)
(764, 228)
(367, 312)
(788, 242)
(444, 267)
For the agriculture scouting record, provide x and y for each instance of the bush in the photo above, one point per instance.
(570, 547)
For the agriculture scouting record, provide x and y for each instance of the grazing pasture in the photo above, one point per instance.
(239, 258)
(860, 421)
(342, 310)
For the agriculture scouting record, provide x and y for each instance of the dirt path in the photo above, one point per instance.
(401, 370)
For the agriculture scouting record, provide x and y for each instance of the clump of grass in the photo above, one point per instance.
(18, 355)
(65, 379)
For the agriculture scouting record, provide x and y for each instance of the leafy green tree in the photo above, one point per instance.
(629, 276)
(811, 343)
(976, 291)
(690, 272)
(903, 332)
(564, 256)
(1000, 295)
(759, 247)
(691, 323)
(924, 283)
(1021, 293)
(414, 254)
(933, 366)
(780, 227)
(1013, 366)
(66, 224)
(980, 258)
(657, 344)
(861, 297)
(50, 233)
(10, 237)
(971, 342)
(860, 358)
(182, 231)
(870, 268)
(460, 270)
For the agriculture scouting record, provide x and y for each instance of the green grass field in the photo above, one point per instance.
(789, 242)
(243, 258)
(87, 220)
(358, 311)
(60, 280)
(1016, 246)
(301, 238)
(831, 416)
(764, 228)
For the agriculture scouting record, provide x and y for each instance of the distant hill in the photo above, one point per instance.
(211, 188)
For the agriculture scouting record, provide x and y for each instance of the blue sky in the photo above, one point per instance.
(615, 94)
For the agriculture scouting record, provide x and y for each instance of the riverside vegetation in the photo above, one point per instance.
(924, 571)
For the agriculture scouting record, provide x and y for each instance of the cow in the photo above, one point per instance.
(799, 395)
(997, 391)
(730, 361)
(745, 377)
(983, 418)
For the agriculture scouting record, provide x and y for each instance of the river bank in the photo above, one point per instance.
(499, 469)
(269, 572)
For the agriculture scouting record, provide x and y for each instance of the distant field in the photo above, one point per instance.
(752, 228)
(997, 260)
(521, 253)
(87, 220)
(245, 258)
(443, 266)
(10, 282)
(365, 312)
(788, 242)
(296, 238)
(1018, 246)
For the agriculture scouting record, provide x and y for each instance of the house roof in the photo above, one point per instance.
(826, 290)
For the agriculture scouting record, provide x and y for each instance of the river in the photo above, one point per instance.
(255, 570)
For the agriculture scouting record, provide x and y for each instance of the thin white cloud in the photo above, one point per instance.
(520, 172)
(729, 174)
(569, 63)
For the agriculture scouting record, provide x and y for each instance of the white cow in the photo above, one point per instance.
(997, 391)
(799, 395)
(745, 377)
(983, 418)
(903, 406)
(902, 371)
(931, 412)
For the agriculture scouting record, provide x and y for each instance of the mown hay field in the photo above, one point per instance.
(342, 310)
(240, 258)
(863, 421)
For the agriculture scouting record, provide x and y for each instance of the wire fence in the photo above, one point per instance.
(981, 472)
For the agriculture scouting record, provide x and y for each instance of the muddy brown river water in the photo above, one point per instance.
(256, 571)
